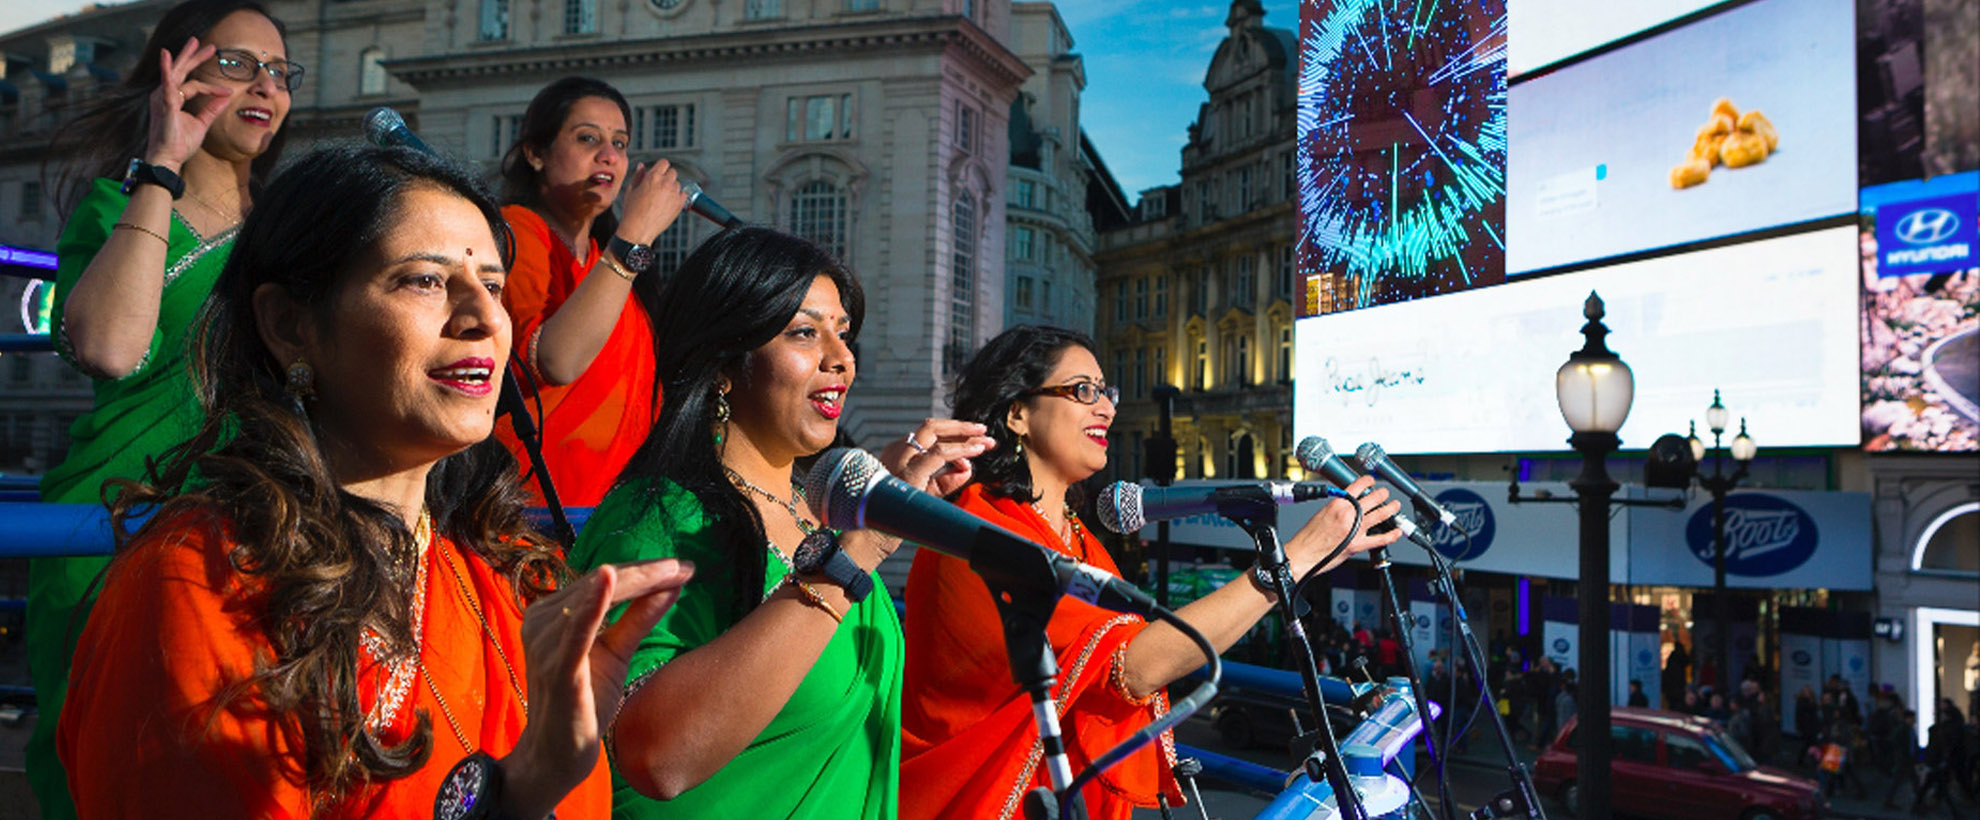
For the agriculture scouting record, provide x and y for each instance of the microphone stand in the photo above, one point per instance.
(1400, 619)
(1257, 515)
(1025, 610)
(1522, 800)
(513, 403)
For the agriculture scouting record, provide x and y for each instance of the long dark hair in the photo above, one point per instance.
(541, 122)
(327, 559)
(734, 294)
(1011, 365)
(112, 129)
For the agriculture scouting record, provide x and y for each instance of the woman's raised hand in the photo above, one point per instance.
(935, 457)
(176, 132)
(653, 200)
(577, 674)
(1329, 527)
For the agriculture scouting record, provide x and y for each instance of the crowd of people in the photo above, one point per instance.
(326, 598)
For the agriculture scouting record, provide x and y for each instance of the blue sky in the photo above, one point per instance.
(1144, 76)
(1144, 71)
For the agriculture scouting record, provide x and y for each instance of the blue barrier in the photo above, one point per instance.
(1242, 773)
(41, 530)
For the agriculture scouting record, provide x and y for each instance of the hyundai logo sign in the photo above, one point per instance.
(1801, 658)
(1765, 535)
(1925, 226)
(1474, 517)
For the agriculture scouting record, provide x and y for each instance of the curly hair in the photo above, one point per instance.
(1010, 366)
(323, 557)
(734, 294)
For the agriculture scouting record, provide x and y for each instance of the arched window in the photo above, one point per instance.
(1951, 543)
(962, 284)
(371, 71)
(818, 213)
(580, 16)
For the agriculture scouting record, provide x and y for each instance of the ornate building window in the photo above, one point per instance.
(671, 248)
(862, 5)
(1241, 280)
(962, 284)
(763, 9)
(1285, 354)
(1140, 298)
(371, 71)
(580, 16)
(1161, 295)
(965, 127)
(818, 118)
(818, 213)
(1161, 364)
(1022, 295)
(494, 20)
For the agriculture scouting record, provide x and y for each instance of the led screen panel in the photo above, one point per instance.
(1595, 148)
(1772, 322)
(1544, 32)
(1921, 315)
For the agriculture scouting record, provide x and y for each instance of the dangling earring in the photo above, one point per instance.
(301, 386)
(1019, 449)
(721, 425)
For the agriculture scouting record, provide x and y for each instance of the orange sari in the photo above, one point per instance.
(146, 731)
(591, 426)
(969, 745)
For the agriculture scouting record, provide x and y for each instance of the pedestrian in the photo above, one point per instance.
(1637, 699)
(1677, 673)
(1564, 704)
(1901, 740)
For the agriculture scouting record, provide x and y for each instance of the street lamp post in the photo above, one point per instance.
(1594, 388)
(1719, 483)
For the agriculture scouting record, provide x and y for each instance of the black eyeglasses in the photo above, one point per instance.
(1082, 392)
(242, 66)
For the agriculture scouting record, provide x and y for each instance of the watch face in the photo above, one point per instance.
(641, 258)
(812, 552)
(460, 792)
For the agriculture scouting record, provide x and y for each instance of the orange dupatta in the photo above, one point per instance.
(969, 745)
(592, 426)
(145, 732)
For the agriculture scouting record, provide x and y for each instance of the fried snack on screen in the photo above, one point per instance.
(1743, 148)
(1755, 122)
(1706, 146)
(1691, 172)
(1725, 107)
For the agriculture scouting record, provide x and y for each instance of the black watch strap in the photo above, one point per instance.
(140, 172)
(841, 569)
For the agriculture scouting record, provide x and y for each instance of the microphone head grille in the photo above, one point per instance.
(1370, 454)
(691, 189)
(380, 122)
(837, 484)
(1312, 451)
(1120, 508)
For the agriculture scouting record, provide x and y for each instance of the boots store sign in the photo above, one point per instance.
(1773, 539)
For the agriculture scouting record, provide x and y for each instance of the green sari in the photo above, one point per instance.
(135, 417)
(834, 750)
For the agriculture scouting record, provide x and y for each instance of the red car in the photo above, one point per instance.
(1669, 764)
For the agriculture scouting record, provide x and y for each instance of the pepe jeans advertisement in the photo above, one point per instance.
(1775, 539)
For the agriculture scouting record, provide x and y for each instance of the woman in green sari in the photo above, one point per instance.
(165, 167)
(772, 688)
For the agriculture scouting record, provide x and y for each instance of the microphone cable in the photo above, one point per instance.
(1197, 699)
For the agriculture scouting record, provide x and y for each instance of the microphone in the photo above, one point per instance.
(1376, 463)
(1316, 455)
(386, 128)
(1126, 508)
(849, 489)
(699, 202)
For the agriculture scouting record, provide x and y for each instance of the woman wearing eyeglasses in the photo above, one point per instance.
(160, 173)
(968, 740)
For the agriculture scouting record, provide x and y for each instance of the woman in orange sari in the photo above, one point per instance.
(969, 746)
(580, 281)
(331, 621)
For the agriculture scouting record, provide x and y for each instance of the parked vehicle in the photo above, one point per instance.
(1674, 765)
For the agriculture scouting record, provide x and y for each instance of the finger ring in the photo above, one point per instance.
(916, 444)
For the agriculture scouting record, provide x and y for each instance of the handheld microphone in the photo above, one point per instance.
(1376, 463)
(1126, 508)
(386, 128)
(1316, 455)
(699, 202)
(849, 489)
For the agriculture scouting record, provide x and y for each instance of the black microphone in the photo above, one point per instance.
(849, 489)
(1126, 508)
(386, 128)
(1376, 463)
(699, 202)
(1316, 455)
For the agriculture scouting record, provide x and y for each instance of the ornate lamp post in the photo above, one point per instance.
(1719, 483)
(1594, 388)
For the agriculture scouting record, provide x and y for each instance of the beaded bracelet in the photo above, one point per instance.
(814, 597)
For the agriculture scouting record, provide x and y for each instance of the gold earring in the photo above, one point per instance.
(721, 425)
(1019, 449)
(302, 381)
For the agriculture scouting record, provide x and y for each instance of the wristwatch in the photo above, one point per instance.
(140, 172)
(472, 790)
(638, 257)
(819, 554)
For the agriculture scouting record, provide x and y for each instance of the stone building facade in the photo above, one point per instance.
(1197, 292)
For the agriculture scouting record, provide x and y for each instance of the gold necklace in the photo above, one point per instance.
(790, 505)
(402, 669)
(1070, 533)
(229, 218)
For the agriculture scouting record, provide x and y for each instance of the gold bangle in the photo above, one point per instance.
(623, 271)
(142, 229)
(812, 596)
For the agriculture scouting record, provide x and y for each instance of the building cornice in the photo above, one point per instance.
(890, 36)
